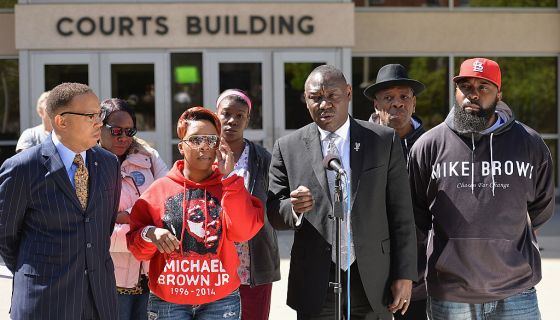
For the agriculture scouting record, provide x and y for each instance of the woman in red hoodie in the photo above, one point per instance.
(186, 224)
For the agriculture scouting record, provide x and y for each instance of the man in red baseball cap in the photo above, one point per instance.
(484, 183)
(477, 94)
(481, 68)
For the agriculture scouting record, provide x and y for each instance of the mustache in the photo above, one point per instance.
(466, 101)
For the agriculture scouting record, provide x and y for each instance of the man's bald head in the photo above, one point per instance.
(327, 71)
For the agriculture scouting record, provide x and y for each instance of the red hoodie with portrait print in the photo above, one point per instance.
(207, 217)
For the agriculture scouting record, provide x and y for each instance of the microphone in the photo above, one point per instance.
(332, 162)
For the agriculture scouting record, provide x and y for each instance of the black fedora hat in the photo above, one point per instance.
(392, 75)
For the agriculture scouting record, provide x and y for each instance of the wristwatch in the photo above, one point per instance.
(145, 231)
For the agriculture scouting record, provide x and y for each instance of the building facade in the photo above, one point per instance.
(166, 56)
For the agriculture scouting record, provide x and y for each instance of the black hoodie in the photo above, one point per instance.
(486, 193)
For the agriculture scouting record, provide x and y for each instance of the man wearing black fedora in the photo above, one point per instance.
(394, 99)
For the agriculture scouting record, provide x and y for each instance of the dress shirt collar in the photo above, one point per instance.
(342, 132)
(66, 155)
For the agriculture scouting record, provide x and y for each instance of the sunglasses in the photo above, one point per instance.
(118, 131)
(197, 141)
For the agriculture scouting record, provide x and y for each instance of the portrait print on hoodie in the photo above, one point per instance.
(195, 221)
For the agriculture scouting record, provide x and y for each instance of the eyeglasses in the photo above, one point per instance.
(196, 141)
(94, 117)
(118, 131)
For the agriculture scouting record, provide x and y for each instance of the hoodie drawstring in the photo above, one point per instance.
(472, 163)
(492, 164)
(184, 221)
(205, 217)
(406, 153)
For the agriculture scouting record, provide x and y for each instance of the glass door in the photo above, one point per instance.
(51, 69)
(139, 79)
(249, 71)
(290, 72)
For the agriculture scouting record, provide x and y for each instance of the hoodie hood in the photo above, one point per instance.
(201, 198)
(176, 174)
(503, 112)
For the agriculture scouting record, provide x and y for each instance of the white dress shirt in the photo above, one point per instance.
(342, 143)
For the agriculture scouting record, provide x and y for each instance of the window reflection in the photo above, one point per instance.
(8, 4)
(459, 3)
(9, 99)
(186, 85)
(401, 3)
(135, 84)
(56, 74)
(506, 3)
(295, 109)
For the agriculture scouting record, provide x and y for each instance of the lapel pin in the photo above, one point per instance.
(95, 163)
(357, 146)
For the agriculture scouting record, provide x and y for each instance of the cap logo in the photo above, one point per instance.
(477, 66)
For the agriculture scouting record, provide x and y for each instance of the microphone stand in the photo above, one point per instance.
(338, 218)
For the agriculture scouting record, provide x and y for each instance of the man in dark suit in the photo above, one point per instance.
(57, 210)
(382, 251)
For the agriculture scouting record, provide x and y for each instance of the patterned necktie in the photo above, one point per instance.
(332, 150)
(345, 226)
(81, 180)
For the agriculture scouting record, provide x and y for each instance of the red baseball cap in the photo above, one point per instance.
(481, 68)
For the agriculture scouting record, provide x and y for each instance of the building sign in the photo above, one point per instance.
(240, 25)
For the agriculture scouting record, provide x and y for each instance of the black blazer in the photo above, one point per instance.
(48, 242)
(381, 212)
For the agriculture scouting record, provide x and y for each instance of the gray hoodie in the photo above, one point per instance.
(483, 194)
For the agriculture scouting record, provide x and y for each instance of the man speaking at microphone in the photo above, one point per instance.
(381, 258)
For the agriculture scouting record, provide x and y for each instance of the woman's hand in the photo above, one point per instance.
(123, 217)
(163, 239)
(226, 159)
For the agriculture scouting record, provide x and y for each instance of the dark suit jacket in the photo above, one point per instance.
(381, 212)
(49, 243)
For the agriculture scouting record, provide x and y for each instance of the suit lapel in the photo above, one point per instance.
(313, 144)
(356, 156)
(56, 170)
(93, 168)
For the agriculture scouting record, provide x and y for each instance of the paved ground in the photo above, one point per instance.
(549, 239)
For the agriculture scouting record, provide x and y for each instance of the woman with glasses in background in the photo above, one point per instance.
(186, 225)
(140, 167)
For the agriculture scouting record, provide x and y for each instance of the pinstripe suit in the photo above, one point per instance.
(50, 244)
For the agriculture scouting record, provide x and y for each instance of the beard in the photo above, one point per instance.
(468, 122)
